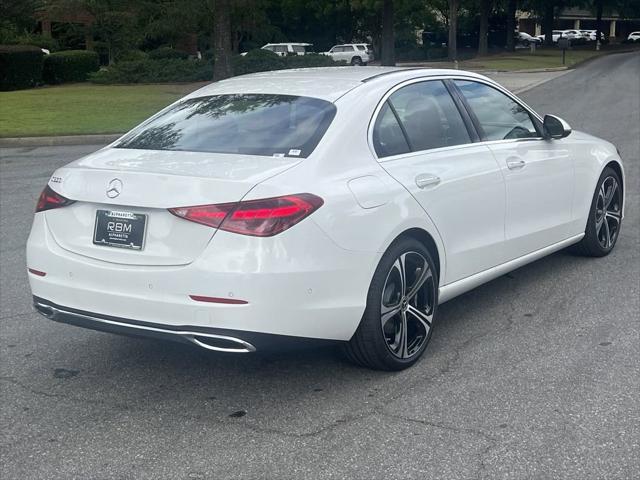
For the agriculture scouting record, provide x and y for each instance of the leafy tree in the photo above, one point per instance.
(388, 56)
(222, 40)
(453, 29)
(483, 35)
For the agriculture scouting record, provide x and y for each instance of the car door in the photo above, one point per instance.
(538, 173)
(422, 140)
(341, 53)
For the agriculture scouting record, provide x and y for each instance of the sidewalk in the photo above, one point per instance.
(519, 82)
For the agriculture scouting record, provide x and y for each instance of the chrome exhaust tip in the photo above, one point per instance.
(44, 310)
(220, 343)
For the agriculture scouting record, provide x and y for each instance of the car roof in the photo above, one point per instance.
(326, 83)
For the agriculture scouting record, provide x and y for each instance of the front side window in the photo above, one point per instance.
(429, 116)
(250, 124)
(500, 117)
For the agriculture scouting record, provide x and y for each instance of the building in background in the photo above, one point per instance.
(580, 19)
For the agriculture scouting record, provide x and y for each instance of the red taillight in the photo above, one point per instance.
(260, 218)
(49, 200)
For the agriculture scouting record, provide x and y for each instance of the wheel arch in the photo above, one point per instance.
(616, 166)
(428, 241)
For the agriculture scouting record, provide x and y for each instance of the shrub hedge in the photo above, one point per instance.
(20, 66)
(69, 66)
(154, 71)
(150, 70)
(257, 61)
(264, 60)
(311, 60)
(167, 53)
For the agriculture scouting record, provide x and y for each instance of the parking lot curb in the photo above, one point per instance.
(58, 140)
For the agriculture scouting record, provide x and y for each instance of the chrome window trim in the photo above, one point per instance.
(442, 78)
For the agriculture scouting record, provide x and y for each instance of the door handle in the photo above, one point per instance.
(426, 179)
(516, 164)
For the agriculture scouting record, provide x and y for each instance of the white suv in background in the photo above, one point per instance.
(634, 37)
(352, 53)
(284, 49)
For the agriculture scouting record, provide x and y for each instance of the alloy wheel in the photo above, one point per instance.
(407, 307)
(608, 212)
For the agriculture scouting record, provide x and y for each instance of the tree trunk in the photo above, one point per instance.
(453, 30)
(483, 40)
(221, 40)
(511, 25)
(547, 23)
(388, 57)
(598, 20)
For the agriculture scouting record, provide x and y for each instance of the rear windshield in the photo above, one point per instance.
(250, 124)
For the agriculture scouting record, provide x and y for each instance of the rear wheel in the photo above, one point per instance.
(401, 306)
(356, 61)
(605, 217)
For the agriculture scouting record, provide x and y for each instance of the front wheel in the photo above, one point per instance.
(605, 217)
(401, 307)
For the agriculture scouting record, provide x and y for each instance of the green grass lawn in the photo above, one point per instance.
(83, 108)
(525, 60)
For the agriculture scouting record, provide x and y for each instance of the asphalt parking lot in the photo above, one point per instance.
(534, 375)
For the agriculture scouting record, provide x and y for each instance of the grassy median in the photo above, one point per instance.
(525, 60)
(83, 108)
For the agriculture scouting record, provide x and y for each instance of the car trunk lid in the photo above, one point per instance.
(146, 182)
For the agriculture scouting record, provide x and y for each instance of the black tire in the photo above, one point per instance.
(372, 346)
(603, 225)
(356, 61)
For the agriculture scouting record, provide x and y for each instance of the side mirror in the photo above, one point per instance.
(555, 127)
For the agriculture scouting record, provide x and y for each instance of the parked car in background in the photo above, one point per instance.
(350, 53)
(388, 192)
(590, 36)
(284, 49)
(575, 36)
(524, 39)
(367, 48)
(555, 35)
(634, 37)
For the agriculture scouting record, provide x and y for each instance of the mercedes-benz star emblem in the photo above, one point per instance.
(114, 188)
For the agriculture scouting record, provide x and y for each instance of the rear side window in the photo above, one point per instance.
(388, 138)
(499, 116)
(361, 47)
(298, 49)
(429, 116)
(251, 124)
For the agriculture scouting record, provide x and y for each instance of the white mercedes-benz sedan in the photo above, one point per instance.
(339, 204)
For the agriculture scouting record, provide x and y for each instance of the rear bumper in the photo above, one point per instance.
(215, 339)
(297, 284)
